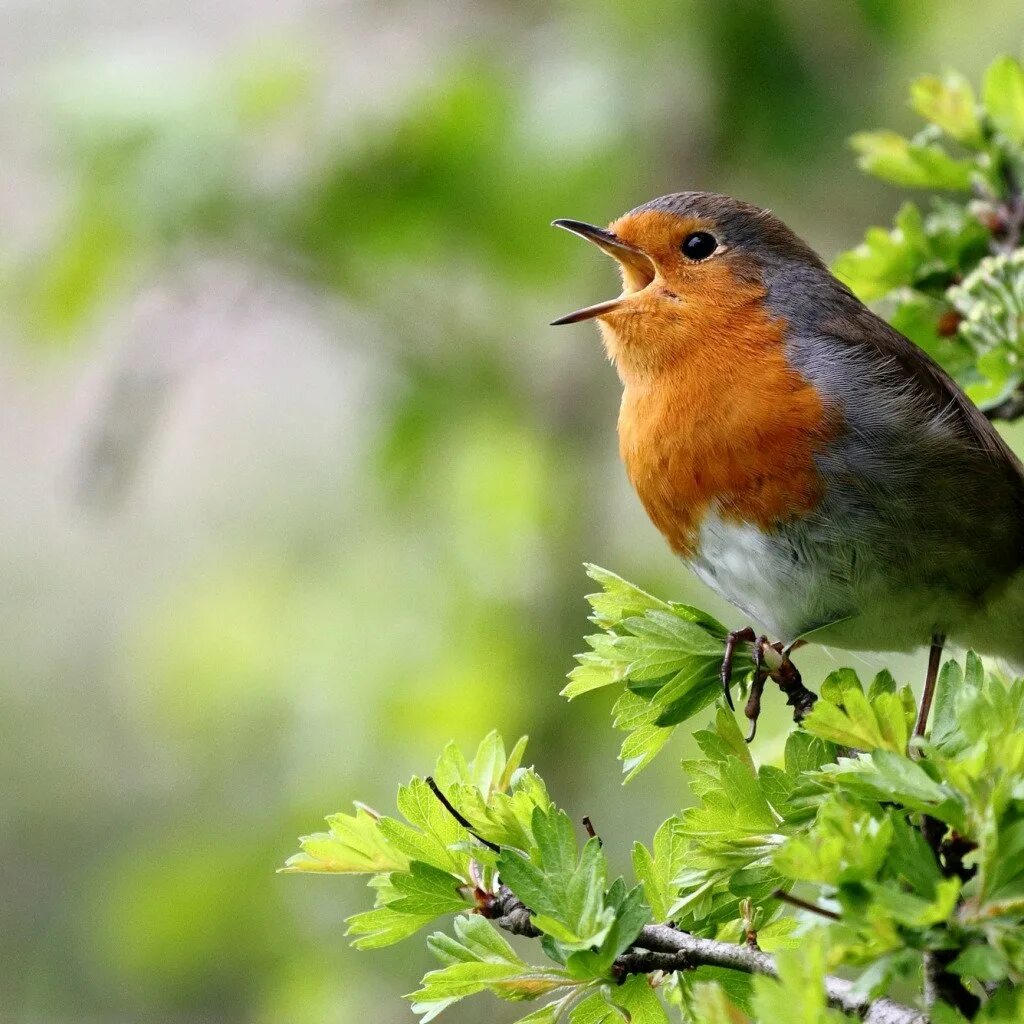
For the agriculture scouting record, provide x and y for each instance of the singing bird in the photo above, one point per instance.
(808, 461)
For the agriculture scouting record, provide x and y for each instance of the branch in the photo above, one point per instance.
(1009, 409)
(663, 948)
(461, 819)
(691, 951)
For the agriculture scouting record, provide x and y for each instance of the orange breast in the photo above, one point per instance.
(727, 423)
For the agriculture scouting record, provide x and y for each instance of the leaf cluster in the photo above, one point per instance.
(666, 657)
(946, 274)
(900, 849)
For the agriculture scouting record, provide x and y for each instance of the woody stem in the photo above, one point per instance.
(661, 947)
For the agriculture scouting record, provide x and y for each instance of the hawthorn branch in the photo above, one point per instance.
(1009, 409)
(661, 947)
(664, 948)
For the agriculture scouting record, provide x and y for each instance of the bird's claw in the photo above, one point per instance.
(731, 640)
(753, 706)
(786, 675)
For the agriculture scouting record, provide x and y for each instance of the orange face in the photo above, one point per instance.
(679, 281)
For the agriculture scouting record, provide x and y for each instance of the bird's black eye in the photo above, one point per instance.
(699, 245)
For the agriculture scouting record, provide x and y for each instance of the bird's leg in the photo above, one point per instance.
(732, 639)
(798, 697)
(753, 708)
(934, 657)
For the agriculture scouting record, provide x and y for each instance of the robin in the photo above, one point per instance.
(808, 461)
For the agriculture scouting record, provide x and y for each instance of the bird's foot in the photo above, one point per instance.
(784, 673)
(745, 635)
(753, 706)
(798, 697)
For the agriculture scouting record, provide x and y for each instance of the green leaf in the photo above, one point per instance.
(948, 102)
(639, 1000)
(657, 872)
(631, 914)
(806, 753)
(637, 716)
(798, 995)
(595, 1009)
(944, 721)
(550, 1013)
(566, 894)
(844, 845)
(837, 682)
(986, 963)
(885, 260)
(429, 832)
(479, 959)
(886, 777)
(384, 926)
(712, 1006)
(1003, 95)
(448, 985)
(846, 717)
(618, 599)
(427, 890)
(890, 156)
(669, 656)
(354, 844)
(689, 692)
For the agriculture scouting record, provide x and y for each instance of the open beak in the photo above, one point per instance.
(637, 267)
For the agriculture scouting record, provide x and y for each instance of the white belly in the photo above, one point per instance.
(796, 583)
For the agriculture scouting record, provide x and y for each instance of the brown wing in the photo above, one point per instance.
(931, 384)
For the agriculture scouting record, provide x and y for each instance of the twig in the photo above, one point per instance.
(508, 911)
(1009, 409)
(795, 901)
(691, 951)
(464, 822)
(591, 831)
(660, 947)
(939, 983)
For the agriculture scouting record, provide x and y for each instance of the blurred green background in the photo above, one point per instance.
(297, 482)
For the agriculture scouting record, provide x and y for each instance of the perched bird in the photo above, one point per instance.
(808, 461)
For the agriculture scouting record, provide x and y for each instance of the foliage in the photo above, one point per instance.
(910, 847)
(950, 276)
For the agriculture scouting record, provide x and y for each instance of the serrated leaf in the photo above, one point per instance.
(639, 1000)
(475, 939)
(595, 1009)
(883, 262)
(630, 916)
(986, 963)
(806, 753)
(847, 718)
(448, 985)
(658, 871)
(886, 777)
(944, 721)
(429, 832)
(890, 156)
(844, 845)
(636, 716)
(688, 693)
(797, 996)
(948, 102)
(354, 844)
(618, 598)
(1003, 95)
(426, 890)
(384, 926)
(565, 893)
(712, 1006)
